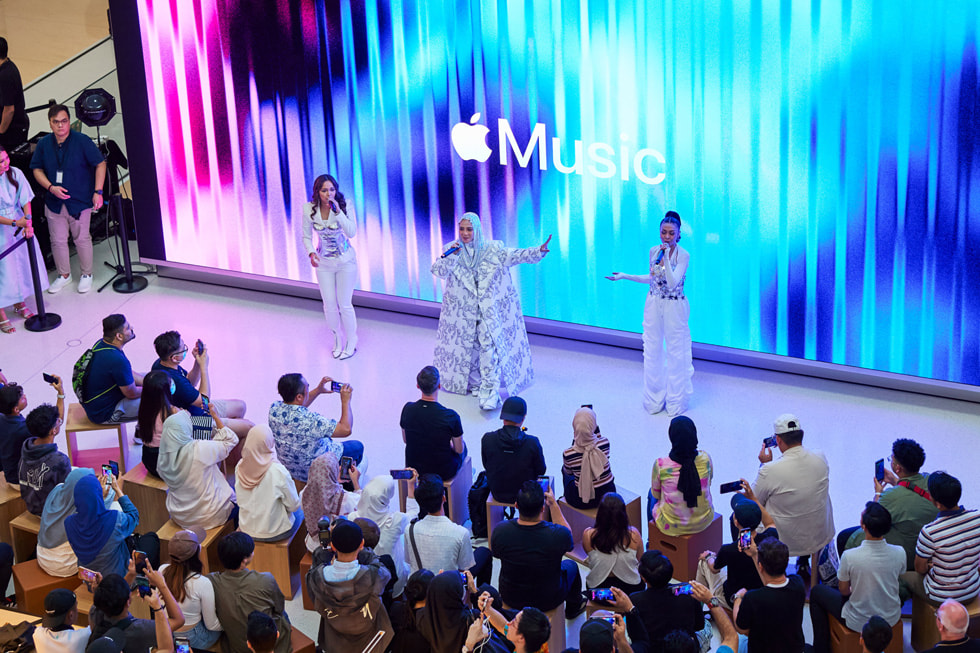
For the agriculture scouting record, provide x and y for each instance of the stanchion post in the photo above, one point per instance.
(43, 321)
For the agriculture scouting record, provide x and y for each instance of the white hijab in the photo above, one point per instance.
(375, 501)
(474, 251)
(176, 449)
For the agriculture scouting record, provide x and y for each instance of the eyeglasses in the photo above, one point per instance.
(63, 121)
(180, 352)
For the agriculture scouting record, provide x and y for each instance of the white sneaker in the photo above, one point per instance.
(85, 283)
(59, 283)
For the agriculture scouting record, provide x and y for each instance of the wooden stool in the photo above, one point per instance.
(209, 547)
(300, 643)
(557, 618)
(925, 633)
(76, 421)
(304, 568)
(845, 640)
(282, 560)
(457, 493)
(11, 505)
(579, 519)
(495, 515)
(683, 550)
(31, 585)
(149, 494)
(23, 533)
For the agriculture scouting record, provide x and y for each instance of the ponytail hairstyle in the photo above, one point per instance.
(315, 199)
(154, 402)
(674, 218)
(178, 573)
(10, 171)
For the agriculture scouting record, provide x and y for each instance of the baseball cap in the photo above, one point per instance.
(746, 512)
(57, 604)
(786, 423)
(514, 409)
(185, 544)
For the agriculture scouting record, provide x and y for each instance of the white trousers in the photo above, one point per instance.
(336, 277)
(666, 379)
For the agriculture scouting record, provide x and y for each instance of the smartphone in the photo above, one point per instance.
(770, 442)
(734, 486)
(114, 466)
(401, 474)
(744, 538)
(87, 575)
(48, 378)
(143, 585)
(199, 347)
(140, 559)
(609, 620)
(205, 403)
(462, 577)
(335, 386)
(880, 469)
(680, 589)
(345, 464)
(183, 645)
(547, 483)
(107, 472)
(603, 595)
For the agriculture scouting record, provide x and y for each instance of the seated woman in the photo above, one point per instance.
(54, 553)
(154, 409)
(98, 535)
(447, 615)
(324, 496)
(267, 498)
(403, 612)
(194, 592)
(585, 465)
(198, 496)
(375, 504)
(614, 548)
(680, 494)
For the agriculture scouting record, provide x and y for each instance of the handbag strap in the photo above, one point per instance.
(915, 488)
(415, 547)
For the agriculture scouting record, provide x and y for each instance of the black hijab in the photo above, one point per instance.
(445, 618)
(684, 449)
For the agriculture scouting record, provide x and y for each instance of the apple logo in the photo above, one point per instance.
(470, 140)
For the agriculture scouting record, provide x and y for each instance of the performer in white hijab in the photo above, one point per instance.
(482, 341)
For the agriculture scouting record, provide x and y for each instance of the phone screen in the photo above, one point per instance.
(880, 469)
(734, 486)
(114, 466)
(86, 575)
(143, 585)
(205, 403)
(602, 595)
(183, 646)
(345, 464)
(683, 588)
(140, 559)
(335, 386)
(106, 470)
(200, 347)
(545, 483)
(744, 538)
(401, 474)
(48, 378)
(770, 442)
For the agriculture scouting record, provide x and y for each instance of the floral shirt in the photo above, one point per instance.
(301, 435)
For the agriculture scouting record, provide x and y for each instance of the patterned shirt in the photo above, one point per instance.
(301, 435)
(952, 544)
(671, 512)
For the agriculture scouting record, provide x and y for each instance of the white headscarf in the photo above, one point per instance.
(176, 448)
(586, 443)
(472, 253)
(375, 502)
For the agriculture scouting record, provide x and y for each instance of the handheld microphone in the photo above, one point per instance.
(660, 257)
(17, 232)
(451, 250)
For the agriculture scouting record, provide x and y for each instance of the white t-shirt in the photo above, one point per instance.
(62, 641)
(198, 602)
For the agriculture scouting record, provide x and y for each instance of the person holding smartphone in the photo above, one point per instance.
(324, 495)
(41, 465)
(54, 553)
(16, 282)
(13, 424)
(659, 608)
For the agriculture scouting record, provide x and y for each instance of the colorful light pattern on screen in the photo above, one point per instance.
(823, 155)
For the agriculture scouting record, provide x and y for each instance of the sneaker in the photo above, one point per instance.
(59, 283)
(85, 283)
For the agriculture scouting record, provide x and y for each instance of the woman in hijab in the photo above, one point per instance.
(403, 612)
(481, 340)
(585, 469)
(199, 495)
(324, 496)
(98, 535)
(680, 487)
(54, 553)
(447, 614)
(375, 504)
(267, 498)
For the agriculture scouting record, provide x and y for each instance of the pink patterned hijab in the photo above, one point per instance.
(324, 495)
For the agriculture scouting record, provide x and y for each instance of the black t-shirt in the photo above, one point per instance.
(741, 568)
(662, 612)
(510, 457)
(429, 430)
(140, 634)
(965, 645)
(13, 435)
(530, 563)
(774, 617)
(12, 94)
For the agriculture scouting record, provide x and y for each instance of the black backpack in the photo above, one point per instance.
(477, 502)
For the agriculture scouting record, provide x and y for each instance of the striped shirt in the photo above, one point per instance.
(952, 544)
(573, 463)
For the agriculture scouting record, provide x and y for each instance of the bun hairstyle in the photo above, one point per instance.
(673, 217)
(315, 197)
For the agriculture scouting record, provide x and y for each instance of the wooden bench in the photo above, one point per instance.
(149, 494)
(282, 560)
(457, 493)
(495, 515)
(23, 534)
(683, 550)
(11, 505)
(925, 633)
(300, 643)
(31, 585)
(845, 640)
(209, 547)
(579, 519)
(556, 642)
(305, 564)
(76, 421)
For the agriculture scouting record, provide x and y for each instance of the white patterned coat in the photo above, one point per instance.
(481, 324)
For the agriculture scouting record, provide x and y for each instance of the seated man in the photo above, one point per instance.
(302, 435)
(55, 634)
(239, 591)
(110, 389)
(534, 571)
(726, 629)
(772, 616)
(347, 594)
(511, 456)
(262, 633)
(947, 553)
(190, 386)
(660, 611)
(527, 632)
(435, 542)
(110, 616)
(13, 426)
(42, 466)
(432, 433)
(953, 620)
(868, 582)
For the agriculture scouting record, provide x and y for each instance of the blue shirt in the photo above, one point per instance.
(114, 556)
(77, 159)
(301, 435)
(13, 435)
(185, 394)
(108, 370)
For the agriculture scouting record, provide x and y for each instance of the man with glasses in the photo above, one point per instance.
(71, 169)
(191, 388)
(42, 466)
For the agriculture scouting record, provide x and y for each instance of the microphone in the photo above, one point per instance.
(660, 257)
(17, 232)
(452, 250)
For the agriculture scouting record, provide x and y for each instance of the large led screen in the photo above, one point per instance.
(823, 155)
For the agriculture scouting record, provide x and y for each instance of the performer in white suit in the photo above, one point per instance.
(482, 342)
(665, 320)
(329, 215)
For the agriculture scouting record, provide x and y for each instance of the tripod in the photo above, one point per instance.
(124, 281)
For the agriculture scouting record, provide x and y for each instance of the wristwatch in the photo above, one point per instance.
(714, 602)
(98, 192)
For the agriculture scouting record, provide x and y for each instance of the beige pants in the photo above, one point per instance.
(60, 225)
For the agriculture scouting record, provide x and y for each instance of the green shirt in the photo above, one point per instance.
(909, 511)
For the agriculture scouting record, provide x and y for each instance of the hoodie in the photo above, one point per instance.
(42, 467)
(511, 457)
